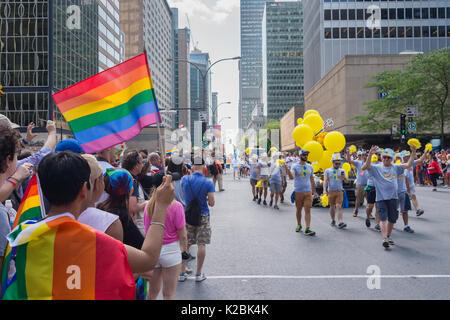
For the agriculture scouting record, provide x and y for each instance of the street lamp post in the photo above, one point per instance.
(217, 108)
(203, 74)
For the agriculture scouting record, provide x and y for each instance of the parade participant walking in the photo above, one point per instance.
(198, 187)
(263, 176)
(275, 181)
(283, 180)
(371, 197)
(361, 180)
(434, 169)
(385, 179)
(254, 176)
(304, 188)
(217, 171)
(235, 165)
(174, 242)
(333, 187)
(403, 200)
(410, 185)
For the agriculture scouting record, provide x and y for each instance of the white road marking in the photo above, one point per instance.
(400, 276)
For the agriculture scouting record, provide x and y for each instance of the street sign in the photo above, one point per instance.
(412, 127)
(412, 111)
(394, 128)
(203, 116)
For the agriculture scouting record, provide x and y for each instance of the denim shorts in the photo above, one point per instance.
(388, 210)
(405, 203)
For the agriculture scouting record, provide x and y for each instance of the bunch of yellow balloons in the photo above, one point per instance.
(414, 142)
(309, 135)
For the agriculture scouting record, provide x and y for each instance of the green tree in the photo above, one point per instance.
(424, 82)
(269, 126)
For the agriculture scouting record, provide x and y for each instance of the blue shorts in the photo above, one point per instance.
(388, 210)
(405, 203)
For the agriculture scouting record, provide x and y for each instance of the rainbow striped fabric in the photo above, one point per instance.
(110, 107)
(30, 207)
(170, 152)
(60, 258)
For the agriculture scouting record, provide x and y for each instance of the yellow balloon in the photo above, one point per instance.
(346, 167)
(302, 134)
(280, 162)
(398, 162)
(315, 122)
(311, 111)
(299, 145)
(374, 158)
(299, 121)
(258, 185)
(414, 142)
(315, 150)
(334, 141)
(352, 149)
(428, 147)
(325, 161)
(316, 166)
(247, 151)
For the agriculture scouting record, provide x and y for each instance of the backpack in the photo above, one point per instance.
(193, 210)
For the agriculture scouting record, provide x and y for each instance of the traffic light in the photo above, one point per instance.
(203, 131)
(403, 127)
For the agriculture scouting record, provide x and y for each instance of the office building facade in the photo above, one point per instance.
(110, 38)
(282, 30)
(148, 26)
(214, 108)
(182, 94)
(333, 29)
(45, 46)
(250, 66)
(201, 59)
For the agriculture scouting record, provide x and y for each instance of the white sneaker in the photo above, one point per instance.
(182, 277)
(200, 277)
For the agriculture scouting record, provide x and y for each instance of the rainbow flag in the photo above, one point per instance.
(169, 152)
(60, 258)
(111, 107)
(30, 207)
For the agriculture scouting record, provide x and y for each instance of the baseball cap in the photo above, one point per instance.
(336, 157)
(5, 119)
(301, 152)
(69, 145)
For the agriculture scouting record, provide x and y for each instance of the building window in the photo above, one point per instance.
(368, 33)
(327, 15)
(441, 31)
(359, 14)
(433, 31)
(425, 13)
(416, 13)
(351, 33)
(335, 33)
(392, 14)
(376, 33)
(425, 31)
(385, 32)
(351, 14)
(400, 13)
(335, 14)
(409, 32)
(401, 32)
(344, 14)
(408, 13)
(441, 13)
(433, 13)
(384, 14)
(344, 34)
(392, 32)
(416, 32)
(360, 32)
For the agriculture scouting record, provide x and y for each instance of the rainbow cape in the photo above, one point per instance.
(59, 258)
(30, 207)
(110, 107)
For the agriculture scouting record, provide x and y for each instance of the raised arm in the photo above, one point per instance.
(145, 259)
(367, 164)
(411, 159)
(348, 157)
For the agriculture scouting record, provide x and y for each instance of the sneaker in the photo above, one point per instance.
(419, 212)
(259, 201)
(341, 225)
(200, 277)
(276, 207)
(408, 229)
(265, 202)
(391, 242)
(255, 198)
(368, 222)
(299, 228)
(434, 189)
(270, 203)
(309, 232)
(333, 223)
(182, 277)
(377, 227)
(386, 243)
(355, 213)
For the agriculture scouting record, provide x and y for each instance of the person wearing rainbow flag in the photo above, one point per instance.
(61, 258)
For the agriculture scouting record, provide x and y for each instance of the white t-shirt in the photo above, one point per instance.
(97, 219)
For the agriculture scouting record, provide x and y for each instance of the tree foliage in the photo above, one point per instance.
(424, 82)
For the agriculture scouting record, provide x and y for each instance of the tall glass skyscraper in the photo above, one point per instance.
(45, 46)
(250, 77)
(334, 28)
(282, 30)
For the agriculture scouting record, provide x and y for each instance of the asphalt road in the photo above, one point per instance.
(255, 253)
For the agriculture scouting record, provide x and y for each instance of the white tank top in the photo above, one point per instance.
(97, 219)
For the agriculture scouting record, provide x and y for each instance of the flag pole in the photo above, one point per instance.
(158, 120)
